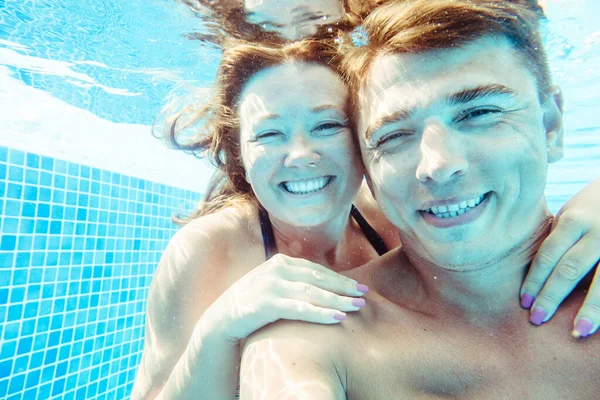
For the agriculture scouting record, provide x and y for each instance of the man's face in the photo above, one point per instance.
(456, 144)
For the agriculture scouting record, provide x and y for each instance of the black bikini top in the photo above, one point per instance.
(271, 247)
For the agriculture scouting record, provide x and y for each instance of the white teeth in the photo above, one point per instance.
(453, 207)
(453, 210)
(306, 186)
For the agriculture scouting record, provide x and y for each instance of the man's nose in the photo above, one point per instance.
(301, 152)
(442, 157)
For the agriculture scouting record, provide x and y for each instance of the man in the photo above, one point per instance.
(457, 123)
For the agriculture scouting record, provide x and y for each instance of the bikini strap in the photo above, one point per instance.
(267, 233)
(370, 233)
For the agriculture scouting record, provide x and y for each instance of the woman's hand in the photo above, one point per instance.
(568, 254)
(284, 288)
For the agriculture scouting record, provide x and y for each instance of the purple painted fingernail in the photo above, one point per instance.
(527, 300)
(359, 302)
(583, 327)
(339, 316)
(538, 315)
(362, 288)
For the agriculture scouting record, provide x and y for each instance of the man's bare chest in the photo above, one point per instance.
(429, 360)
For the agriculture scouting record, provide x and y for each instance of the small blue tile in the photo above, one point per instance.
(28, 209)
(30, 193)
(14, 191)
(3, 169)
(37, 359)
(43, 210)
(71, 198)
(41, 226)
(51, 354)
(10, 225)
(13, 208)
(15, 312)
(35, 275)
(25, 345)
(55, 227)
(5, 368)
(47, 163)
(39, 242)
(23, 260)
(27, 226)
(8, 349)
(16, 383)
(15, 174)
(60, 166)
(33, 160)
(59, 181)
(3, 153)
(19, 277)
(53, 241)
(16, 157)
(58, 196)
(45, 194)
(28, 327)
(25, 242)
(8, 242)
(31, 309)
(81, 214)
(84, 186)
(46, 179)
(33, 378)
(73, 169)
(72, 184)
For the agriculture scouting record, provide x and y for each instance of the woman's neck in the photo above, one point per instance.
(330, 244)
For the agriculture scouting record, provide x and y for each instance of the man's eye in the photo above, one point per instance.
(391, 137)
(328, 125)
(478, 112)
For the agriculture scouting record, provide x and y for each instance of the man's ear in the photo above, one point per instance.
(553, 123)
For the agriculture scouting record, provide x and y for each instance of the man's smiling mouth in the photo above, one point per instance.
(306, 186)
(456, 209)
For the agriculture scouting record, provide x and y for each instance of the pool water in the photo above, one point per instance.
(87, 193)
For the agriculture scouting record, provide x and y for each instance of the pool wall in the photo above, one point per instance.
(78, 250)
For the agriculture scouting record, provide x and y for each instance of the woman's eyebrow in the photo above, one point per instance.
(466, 95)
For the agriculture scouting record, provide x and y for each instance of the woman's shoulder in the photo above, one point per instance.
(211, 246)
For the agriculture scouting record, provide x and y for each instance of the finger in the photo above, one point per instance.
(319, 297)
(588, 318)
(327, 280)
(571, 268)
(302, 311)
(556, 245)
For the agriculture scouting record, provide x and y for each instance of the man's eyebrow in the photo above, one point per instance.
(397, 116)
(326, 107)
(478, 92)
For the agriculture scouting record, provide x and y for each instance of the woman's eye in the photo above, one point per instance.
(477, 112)
(266, 135)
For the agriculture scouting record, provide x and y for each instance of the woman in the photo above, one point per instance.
(278, 129)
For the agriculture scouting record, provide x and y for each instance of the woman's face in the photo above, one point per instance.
(293, 19)
(296, 143)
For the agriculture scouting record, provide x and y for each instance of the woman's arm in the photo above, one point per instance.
(195, 321)
(568, 254)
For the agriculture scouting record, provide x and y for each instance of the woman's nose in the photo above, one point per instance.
(302, 153)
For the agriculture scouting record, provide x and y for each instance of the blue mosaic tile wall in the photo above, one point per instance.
(78, 249)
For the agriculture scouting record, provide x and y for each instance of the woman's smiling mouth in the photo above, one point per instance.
(306, 186)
